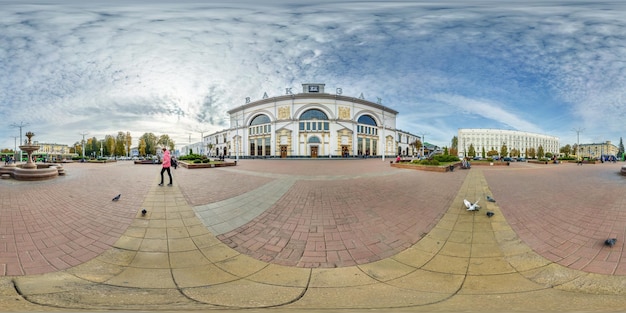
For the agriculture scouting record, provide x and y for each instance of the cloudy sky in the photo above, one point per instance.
(99, 67)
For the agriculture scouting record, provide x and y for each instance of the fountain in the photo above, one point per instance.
(29, 147)
(31, 170)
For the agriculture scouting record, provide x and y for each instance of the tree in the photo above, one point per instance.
(445, 151)
(455, 143)
(567, 149)
(483, 153)
(78, 148)
(503, 150)
(620, 152)
(150, 141)
(165, 141)
(142, 147)
(530, 152)
(95, 146)
(91, 146)
(417, 145)
(454, 146)
(109, 143)
(129, 142)
(492, 153)
(119, 144)
(471, 151)
(540, 152)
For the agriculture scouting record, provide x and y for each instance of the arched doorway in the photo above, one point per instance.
(314, 145)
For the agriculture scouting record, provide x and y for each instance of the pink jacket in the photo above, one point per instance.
(167, 160)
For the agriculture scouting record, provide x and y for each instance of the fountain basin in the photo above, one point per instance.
(40, 172)
(31, 170)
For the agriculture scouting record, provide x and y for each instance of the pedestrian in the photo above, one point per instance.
(167, 163)
(174, 162)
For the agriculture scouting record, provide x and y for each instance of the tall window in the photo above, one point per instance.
(259, 130)
(314, 120)
(367, 125)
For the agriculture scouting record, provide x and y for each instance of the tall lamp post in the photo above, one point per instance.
(237, 140)
(83, 134)
(424, 143)
(384, 141)
(20, 125)
(578, 131)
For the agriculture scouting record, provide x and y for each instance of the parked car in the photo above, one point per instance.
(507, 159)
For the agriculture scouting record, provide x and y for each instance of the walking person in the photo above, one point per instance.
(167, 163)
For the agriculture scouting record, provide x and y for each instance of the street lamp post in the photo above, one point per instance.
(578, 131)
(83, 134)
(237, 140)
(384, 141)
(20, 126)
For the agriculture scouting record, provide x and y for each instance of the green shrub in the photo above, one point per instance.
(430, 162)
(425, 162)
(197, 161)
(190, 157)
(446, 158)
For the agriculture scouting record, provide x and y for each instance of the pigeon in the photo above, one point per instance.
(490, 214)
(610, 242)
(490, 199)
(143, 212)
(471, 206)
(117, 197)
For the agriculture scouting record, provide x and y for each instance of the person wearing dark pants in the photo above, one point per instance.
(167, 163)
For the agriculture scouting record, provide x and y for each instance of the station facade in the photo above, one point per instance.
(311, 124)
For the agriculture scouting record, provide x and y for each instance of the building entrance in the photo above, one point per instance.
(345, 152)
(314, 151)
(283, 151)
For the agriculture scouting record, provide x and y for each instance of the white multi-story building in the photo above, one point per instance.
(311, 124)
(494, 139)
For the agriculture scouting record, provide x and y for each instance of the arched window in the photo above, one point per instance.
(314, 118)
(313, 114)
(314, 139)
(366, 119)
(260, 119)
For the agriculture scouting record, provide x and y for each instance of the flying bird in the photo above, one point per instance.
(490, 214)
(490, 199)
(471, 206)
(143, 212)
(117, 197)
(610, 242)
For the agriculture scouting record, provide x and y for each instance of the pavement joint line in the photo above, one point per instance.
(143, 284)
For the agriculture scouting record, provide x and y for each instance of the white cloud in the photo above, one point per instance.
(102, 67)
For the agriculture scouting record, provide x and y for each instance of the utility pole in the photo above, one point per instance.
(20, 125)
(14, 149)
(202, 131)
(83, 134)
(578, 131)
(424, 142)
